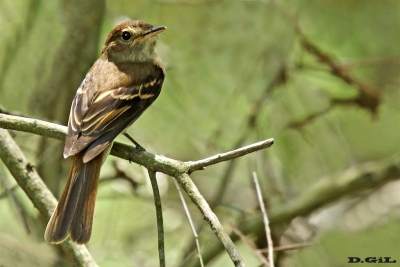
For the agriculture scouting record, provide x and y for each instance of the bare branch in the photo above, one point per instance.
(247, 242)
(190, 188)
(266, 221)
(29, 125)
(289, 247)
(196, 237)
(200, 164)
(6, 191)
(160, 223)
(369, 97)
(17, 206)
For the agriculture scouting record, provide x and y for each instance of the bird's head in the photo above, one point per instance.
(132, 41)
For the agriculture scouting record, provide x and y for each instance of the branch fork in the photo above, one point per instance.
(153, 162)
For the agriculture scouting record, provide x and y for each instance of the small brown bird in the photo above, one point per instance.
(121, 84)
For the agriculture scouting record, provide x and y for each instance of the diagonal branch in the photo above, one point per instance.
(28, 179)
(189, 217)
(368, 98)
(251, 246)
(189, 187)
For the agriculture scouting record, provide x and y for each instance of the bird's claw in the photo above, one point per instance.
(138, 148)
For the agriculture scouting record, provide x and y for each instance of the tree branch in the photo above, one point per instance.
(200, 164)
(190, 188)
(159, 215)
(368, 98)
(266, 222)
(29, 125)
(189, 217)
(251, 246)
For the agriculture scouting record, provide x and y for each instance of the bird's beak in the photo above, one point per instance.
(153, 31)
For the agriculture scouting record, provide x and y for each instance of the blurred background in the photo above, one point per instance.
(321, 77)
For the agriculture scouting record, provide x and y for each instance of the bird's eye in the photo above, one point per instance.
(126, 35)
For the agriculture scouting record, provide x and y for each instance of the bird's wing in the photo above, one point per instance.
(97, 118)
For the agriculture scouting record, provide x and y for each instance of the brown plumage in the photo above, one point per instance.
(121, 84)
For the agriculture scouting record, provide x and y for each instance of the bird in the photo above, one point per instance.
(122, 83)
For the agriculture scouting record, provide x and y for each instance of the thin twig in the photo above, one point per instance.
(288, 247)
(372, 62)
(247, 242)
(190, 188)
(4, 194)
(201, 164)
(15, 203)
(160, 224)
(226, 177)
(196, 236)
(266, 221)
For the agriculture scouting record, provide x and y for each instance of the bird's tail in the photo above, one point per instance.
(74, 213)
